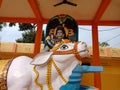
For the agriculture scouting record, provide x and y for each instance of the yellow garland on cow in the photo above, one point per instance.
(48, 75)
(59, 71)
(36, 78)
(49, 70)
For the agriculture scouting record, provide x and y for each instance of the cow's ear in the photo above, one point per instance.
(41, 58)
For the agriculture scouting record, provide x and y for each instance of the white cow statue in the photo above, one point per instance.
(47, 70)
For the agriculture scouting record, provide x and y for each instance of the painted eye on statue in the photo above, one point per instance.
(64, 47)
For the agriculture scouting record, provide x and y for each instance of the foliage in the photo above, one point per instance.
(2, 25)
(12, 24)
(27, 37)
(25, 27)
(104, 44)
(29, 31)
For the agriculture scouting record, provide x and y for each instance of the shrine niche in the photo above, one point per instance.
(65, 22)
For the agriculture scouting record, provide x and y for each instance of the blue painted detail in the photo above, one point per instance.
(85, 69)
(83, 87)
(76, 87)
(76, 77)
(71, 86)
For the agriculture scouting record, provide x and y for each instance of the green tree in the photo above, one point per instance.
(2, 25)
(104, 44)
(29, 33)
(25, 27)
(28, 36)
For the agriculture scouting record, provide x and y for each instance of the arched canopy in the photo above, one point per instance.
(102, 12)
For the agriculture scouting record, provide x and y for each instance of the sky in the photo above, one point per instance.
(10, 34)
(111, 34)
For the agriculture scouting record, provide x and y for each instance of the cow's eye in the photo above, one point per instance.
(64, 47)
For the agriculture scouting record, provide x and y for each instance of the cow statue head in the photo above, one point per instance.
(63, 50)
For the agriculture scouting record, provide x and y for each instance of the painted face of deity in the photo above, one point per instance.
(59, 34)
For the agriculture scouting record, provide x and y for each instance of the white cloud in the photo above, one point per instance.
(10, 34)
